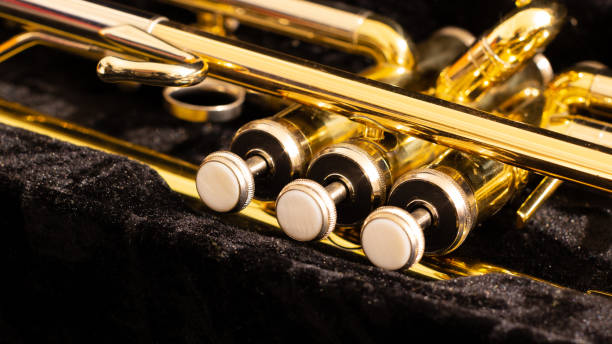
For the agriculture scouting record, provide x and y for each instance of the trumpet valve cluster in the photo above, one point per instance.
(350, 153)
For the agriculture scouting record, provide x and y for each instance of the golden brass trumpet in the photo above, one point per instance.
(138, 47)
(180, 175)
(164, 53)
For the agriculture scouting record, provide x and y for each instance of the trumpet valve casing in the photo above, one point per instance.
(459, 190)
(446, 196)
(361, 167)
(268, 153)
(349, 180)
(287, 142)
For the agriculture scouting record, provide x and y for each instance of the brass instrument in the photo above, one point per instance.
(437, 206)
(346, 181)
(584, 88)
(352, 30)
(272, 151)
(139, 47)
(159, 48)
(357, 174)
(432, 209)
(180, 175)
(269, 153)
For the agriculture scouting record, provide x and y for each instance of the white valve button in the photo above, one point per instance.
(224, 182)
(305, 211)
(392, 239)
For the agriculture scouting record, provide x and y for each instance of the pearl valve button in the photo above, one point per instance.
(305, 210)
(224, 182)
(392, 238)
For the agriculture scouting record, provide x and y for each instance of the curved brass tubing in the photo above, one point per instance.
(157, 63)
(501, 52)
(576, 89)
(26, 40)
(474, 187)
(569, 93)
(308, 83)
(180, 176)
(351, 30)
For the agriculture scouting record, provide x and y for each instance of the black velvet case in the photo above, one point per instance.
(96, 248)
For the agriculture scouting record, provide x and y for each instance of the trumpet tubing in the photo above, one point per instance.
(350, 29)
(180, 174)
(285, 144)
(349, 179)
(423, 116)
(415, 151)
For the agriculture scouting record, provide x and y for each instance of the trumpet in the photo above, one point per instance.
(148, 49)
(180, 175)
(277, 150)
(342, 167)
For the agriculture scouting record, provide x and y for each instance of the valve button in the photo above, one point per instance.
(305, 210)
(224, 182)
(392, 239)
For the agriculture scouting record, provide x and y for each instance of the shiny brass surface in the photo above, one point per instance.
(180, 175)
(318, 129)
(489, 183)
(436, 207)
(536, 199)
(418, 115)
(458, 190)
(381, 161)
(288, 141)
(500, 52)
(350, 29)
(575, 90)
(570, 93)
(178, 67)
(303, 132)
